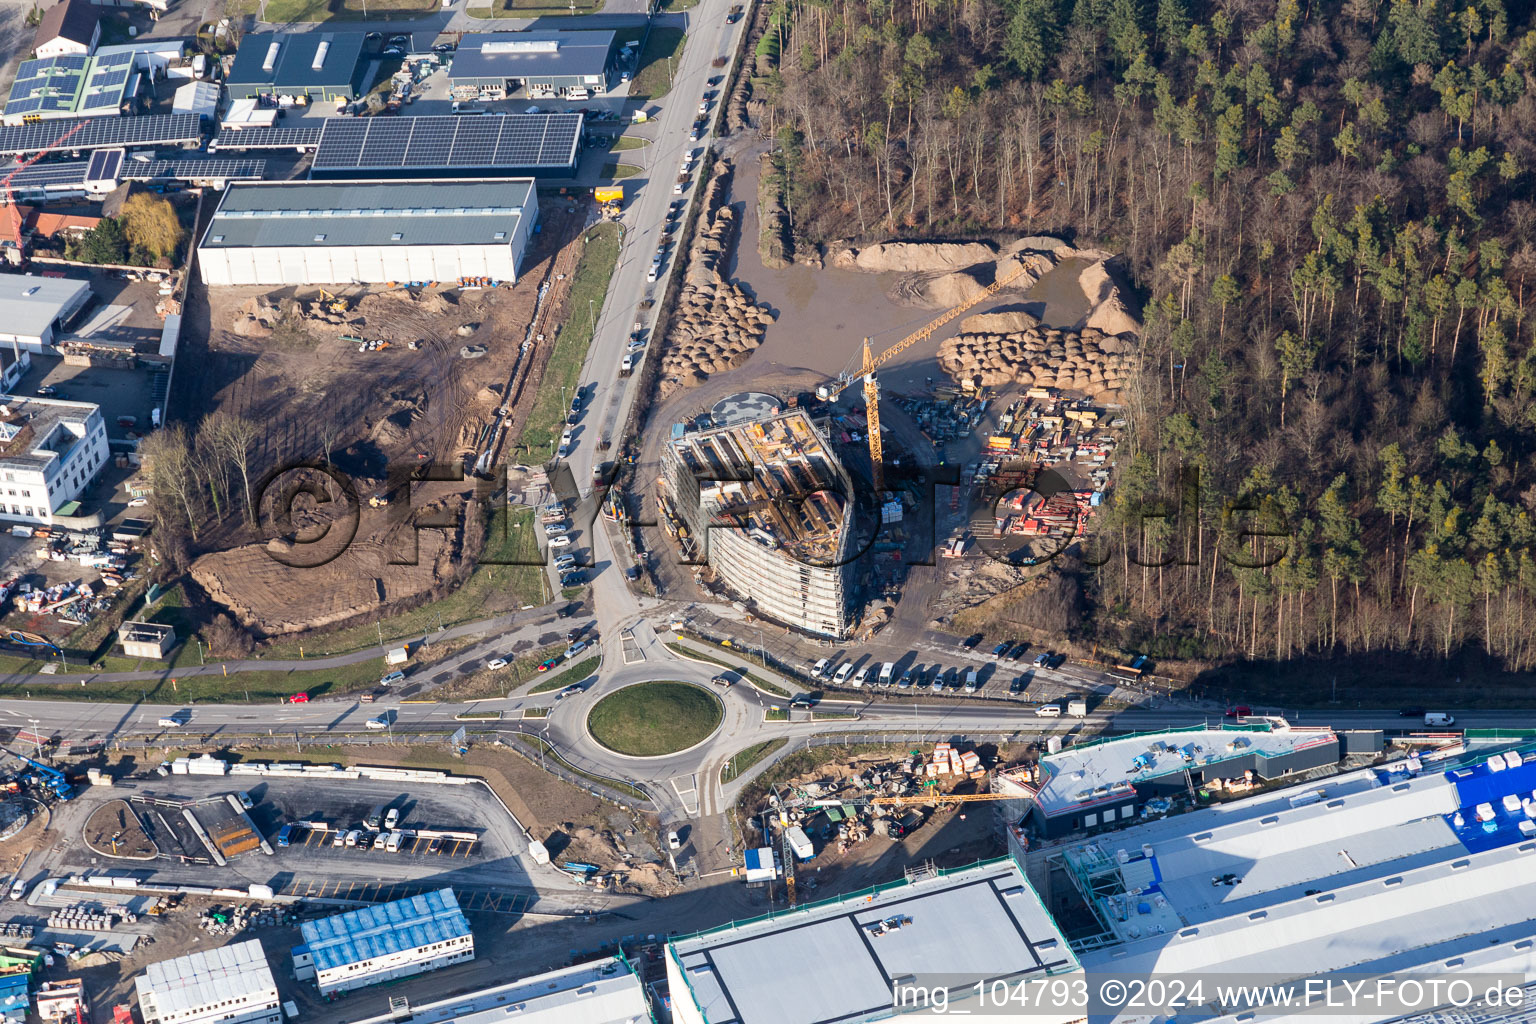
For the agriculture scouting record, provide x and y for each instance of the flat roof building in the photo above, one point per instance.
(545, 64)
(50, 452)
(1108, 781)
(508, 145)
(315, 65)
(1417, 868)
(770, 508)
(74, 85)
(381, 943)
(33, 310)
(368, 232)
(842, 959)
(601, 992)
(229, 985)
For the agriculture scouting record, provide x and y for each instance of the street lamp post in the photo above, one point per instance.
(37, 746)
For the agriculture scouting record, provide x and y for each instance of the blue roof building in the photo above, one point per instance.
(392, 940)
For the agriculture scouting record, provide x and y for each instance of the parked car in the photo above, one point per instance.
(1001, 649)
(820, 668)
(1239, 711)
(843, 672)
(561, 541)
(353, 836)
(138, 502)
(245, 800)
(573, 579)
(970, 642)
(339, 839)
(379, 839)
(673, 842)
(392, 677)
(565, 562)
(576, 648)
(299, 698)
(862, 675)
(496, 663)
(435, 845)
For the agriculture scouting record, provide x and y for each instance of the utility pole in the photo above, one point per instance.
(36, 743)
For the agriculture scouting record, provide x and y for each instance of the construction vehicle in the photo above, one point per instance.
(830, 392)
(49, 776)
(18, 252)
(334, 303)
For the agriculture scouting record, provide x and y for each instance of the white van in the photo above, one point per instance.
(863, 675)
(971, 676)
(1048, 711)
(887, 673)
(843, 672)
(820, 668)
(392, 844)
(1439, 718)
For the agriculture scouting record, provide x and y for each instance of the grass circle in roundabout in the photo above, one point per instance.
(654, 719)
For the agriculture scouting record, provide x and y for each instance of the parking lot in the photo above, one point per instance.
(413, 844)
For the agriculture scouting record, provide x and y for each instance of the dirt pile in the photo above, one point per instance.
(716, 326)
(999, 321)
(773, 234)
(1086, 361)
(1109, 313)
(910, 257)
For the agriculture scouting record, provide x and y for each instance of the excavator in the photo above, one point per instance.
(334, 303)
(832, 390)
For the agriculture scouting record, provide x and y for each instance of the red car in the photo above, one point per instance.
(299, 698)
(1240, 711)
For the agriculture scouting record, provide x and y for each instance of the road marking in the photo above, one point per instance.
(689, 795)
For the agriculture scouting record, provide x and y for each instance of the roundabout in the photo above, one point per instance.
(654, 719)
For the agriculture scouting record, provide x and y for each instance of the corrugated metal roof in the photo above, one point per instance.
(372, 932)
(489, 55)
(443, 211)
(602, 992)
(29, 304)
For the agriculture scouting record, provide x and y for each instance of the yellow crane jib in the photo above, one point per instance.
(870, 363)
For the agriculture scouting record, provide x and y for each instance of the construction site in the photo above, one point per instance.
(367, 379)
(847, 821)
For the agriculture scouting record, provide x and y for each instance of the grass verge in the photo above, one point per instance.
(589, 286)
(533, 9)
(557, 679)
(775, 715)
(732, 769)
(618, 172)
(654, 76)
(755, 680)
(278, 11)
(624, 143)
(653, 719)
(622, 787)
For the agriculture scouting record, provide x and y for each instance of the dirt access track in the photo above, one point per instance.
(277, 356)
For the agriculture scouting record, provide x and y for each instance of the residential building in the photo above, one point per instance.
(228, 985)
(384, 942)
(68, 27)
(50, 452)
(369, 232)
(34, 310)
(539, 64)
(959, 931)
(314, 65)
(601, 992)
(767, 505)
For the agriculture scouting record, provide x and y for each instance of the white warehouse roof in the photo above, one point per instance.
(1412, 869)
(29, 304)
(832, 961)
(439, 211)
(205, 979)
(601, 992)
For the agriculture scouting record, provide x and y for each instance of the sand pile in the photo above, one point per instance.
(907, 257)
(256, 317)
(716, 326)
(1088, 361)
(1108, 313)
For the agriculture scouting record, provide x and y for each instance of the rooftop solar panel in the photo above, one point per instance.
(194, 170)
(71, 173)
(113, 76)
(114, 60)
(100, 132)
(104, 163)
(269, 138)
(448, 142)
(24, 106)
(73, 61)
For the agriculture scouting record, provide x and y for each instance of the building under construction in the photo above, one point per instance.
(765, 503)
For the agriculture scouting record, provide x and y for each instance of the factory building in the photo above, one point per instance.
(50, 451)
(74, 85)
(840, 960)
(601, 992)
(368, 232)
(1416, 869)
(539, 65)
(763, 500)
(1103, 783)
(384, 942)
(34, 310)
(229, 985)
(311, 65)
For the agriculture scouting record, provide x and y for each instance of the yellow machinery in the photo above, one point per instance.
(870, 363)
(333, 303)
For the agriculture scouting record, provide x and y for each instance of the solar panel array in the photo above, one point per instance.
(101, 132)
(193, 170)
(269, 138)
(511, 140)
(103, 164)
(70, 173)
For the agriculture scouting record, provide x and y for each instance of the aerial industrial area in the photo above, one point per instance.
(568, 513)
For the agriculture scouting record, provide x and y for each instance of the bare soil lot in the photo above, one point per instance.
(289, 360)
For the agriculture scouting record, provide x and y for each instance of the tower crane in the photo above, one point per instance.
(831, 391)
(13, 215)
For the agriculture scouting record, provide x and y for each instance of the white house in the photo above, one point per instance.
(68, 27)
(50, 451)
